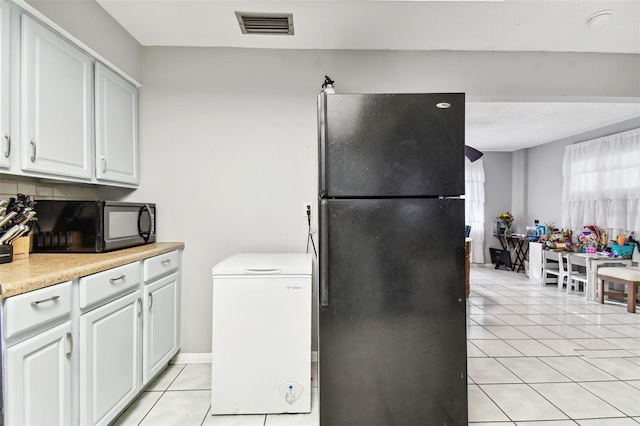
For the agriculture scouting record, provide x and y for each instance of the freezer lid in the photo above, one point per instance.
(265, 264)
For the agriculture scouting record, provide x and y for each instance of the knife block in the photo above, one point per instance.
(21, 248)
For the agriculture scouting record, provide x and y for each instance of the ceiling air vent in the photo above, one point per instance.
(265, 23)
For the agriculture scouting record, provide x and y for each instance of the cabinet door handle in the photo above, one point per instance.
(70, 339)
(150, 300)
(113, 280)
(139, 306)
(33, 150)
(165, 262)
(7, 152)
(48, 299)
(104, 163)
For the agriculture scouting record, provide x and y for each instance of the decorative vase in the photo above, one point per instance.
(507, 230)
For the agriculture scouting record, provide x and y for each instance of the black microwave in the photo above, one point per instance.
(66, 226)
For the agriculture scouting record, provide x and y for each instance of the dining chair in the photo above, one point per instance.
(553, 270)
(576, 273)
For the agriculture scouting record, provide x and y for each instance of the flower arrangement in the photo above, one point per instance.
(506, 219)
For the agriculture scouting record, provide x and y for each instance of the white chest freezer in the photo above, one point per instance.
(261, 354)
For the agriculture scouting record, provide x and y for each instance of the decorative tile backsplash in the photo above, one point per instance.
(45, 191)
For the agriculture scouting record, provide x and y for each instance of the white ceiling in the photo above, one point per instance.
(510, 25)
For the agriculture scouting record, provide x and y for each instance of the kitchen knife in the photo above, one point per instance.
(28, 217)
(21, 231)
(7, 218)
(10, 233)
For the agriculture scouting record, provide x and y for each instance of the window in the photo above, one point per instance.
(601, 183)
(474, 207)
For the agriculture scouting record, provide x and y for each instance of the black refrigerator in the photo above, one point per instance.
(392, 338)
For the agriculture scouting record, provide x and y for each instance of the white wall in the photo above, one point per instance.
(497, 194)
(228, 138)
(90, 23)
(518, 191)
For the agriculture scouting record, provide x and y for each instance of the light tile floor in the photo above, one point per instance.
(539, 357)
(181, 396)
(536, 357)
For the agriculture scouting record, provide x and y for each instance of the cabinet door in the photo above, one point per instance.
(56, 99)
(110, 359)
(116, 127)
(161, 324)
(38, 379)
(5, 134)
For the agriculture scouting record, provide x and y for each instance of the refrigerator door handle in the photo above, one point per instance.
(324, 255)
(322, 144)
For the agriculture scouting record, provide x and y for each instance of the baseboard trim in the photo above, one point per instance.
(191, 358)
(205, 358)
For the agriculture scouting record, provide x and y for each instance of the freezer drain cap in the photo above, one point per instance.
(290, 391)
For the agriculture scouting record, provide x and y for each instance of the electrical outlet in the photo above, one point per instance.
(307, 209)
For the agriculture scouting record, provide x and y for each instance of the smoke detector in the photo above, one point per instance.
(599, 19)
(265, 23)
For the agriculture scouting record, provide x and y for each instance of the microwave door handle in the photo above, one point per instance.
(144, 234)
(152, 220)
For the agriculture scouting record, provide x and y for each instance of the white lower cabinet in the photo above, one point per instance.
(126, 325)
(38, 379)
(110, 359)
(161, 323)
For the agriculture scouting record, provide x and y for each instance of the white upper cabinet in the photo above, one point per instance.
(5, 134)
(56, 104)
(116, 115)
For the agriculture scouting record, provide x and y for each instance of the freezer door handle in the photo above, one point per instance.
(324, 255)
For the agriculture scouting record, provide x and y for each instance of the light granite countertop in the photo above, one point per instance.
(41, 270)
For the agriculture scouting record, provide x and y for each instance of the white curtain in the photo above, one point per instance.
(474, 207)
(601, 183)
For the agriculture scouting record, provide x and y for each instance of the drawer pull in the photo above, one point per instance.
(165, 262)
(49, 299)
(139, 306)
(150, 300)
(113, 280)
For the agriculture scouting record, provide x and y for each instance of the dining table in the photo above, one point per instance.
(593, 262)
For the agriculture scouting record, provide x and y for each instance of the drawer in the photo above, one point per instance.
(158, 266)
(35, 308)
(103, 285)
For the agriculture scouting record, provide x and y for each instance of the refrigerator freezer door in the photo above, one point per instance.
(392, 336)
(391, 145)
